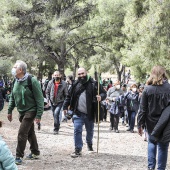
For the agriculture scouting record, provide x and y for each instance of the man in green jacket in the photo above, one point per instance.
(30, 105)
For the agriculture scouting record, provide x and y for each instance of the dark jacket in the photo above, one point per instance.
(2, 97)
(132, 101)
(61, 92)
(162, 129)
(154, 100)
(91, 88)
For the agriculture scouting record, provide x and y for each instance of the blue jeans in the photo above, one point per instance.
(162, 149)
(56, 115)
(131, 119)
(79, 121)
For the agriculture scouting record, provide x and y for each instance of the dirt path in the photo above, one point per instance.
(123, 151)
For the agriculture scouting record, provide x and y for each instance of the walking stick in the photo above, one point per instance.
(98, 104)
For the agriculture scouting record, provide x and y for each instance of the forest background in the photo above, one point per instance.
(64, 35)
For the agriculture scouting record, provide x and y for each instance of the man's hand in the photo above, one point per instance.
(37, 120)
(9, 117)
(98, 98)
(140, 131)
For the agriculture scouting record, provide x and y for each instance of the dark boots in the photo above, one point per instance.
(76, 154)
(89, 147)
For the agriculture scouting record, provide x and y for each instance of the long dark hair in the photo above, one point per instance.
(158, 76)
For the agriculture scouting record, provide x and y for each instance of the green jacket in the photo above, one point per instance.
(26, 100)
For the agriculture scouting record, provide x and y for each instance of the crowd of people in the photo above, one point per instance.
(78, 100)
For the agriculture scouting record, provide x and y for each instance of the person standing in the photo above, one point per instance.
(56, 92)
(28, 99)
(82, 100)
(155, 98)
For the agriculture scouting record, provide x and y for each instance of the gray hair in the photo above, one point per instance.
(22, 65)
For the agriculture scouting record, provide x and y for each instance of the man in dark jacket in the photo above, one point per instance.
(82, 99)
(56, 93)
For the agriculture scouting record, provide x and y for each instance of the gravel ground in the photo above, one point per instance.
(117, 151)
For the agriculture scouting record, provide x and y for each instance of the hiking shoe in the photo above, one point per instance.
(55, 132)
(89, 147)
(32, 156)
(18, 161)
(76, 154)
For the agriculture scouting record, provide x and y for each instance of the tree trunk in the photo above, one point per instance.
(124, 78)
(62, 59)
(40, 71)
(75, 68)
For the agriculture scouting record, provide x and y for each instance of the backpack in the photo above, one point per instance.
(29, 82)
(122, 101)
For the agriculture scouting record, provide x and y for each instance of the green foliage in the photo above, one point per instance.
(147, 42)
(73, 33)
(5, 67)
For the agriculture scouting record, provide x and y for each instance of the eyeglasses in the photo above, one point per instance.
(80, 74)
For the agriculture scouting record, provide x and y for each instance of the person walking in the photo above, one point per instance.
(132, 104)
(155, 98)
(28, 99)
(112, 94)
(56, 92)
(82, 100)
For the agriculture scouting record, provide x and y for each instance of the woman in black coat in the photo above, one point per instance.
(155, 98)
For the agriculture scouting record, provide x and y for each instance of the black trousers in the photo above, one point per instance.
(105, 113)
(114, 121)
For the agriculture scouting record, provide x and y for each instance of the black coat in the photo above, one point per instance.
(153, 101)
(132, 101)
(162, 129)
(91, 88)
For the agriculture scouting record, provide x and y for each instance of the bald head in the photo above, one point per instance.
(82, 75)
(81, 72)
